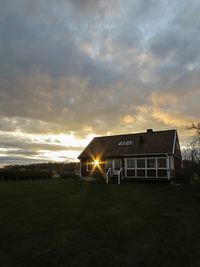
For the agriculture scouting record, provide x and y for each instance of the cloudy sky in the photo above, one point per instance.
(73, 69)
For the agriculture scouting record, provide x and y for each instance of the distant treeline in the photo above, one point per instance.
(39, 171)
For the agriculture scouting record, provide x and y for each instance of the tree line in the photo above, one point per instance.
(191, 155)
(39, 171)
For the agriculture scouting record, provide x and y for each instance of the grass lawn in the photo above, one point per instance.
(62, 223)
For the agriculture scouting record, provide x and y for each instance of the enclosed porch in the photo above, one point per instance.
(149, 167)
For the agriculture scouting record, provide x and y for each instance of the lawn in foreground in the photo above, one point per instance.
(62, 223)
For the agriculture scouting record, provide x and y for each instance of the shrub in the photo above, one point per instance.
(186, 174)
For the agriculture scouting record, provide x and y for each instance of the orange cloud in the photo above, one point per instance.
(171, 119)
(127, 119)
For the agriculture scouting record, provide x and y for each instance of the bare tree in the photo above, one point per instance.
(196, 127)
(194, 149)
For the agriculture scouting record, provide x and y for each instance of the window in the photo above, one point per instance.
(126, 143)
(141, 173)
(130, 167)
(151, 173)
(130, 173)
(129, 143)
(90, 165)
(122, 143)
(162, 163)
(148, 167)
(140, 163)
(151, 163)
(130, 163)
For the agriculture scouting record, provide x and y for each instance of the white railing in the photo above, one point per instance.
(119, 172)
(115, 172)
(107, 174)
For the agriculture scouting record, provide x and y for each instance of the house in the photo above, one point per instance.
(147, 155)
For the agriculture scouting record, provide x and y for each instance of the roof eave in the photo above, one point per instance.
(129, 155)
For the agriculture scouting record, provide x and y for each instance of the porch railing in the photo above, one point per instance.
(118, 173)
(107, 174)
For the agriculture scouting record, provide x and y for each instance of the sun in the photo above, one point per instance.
(96, 162)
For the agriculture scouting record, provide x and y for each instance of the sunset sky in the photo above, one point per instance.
(70, 70)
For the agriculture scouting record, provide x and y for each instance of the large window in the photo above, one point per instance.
(151, 173)
(162, 167)
(148, 167)
(130, 172)
(130, 163)
(151, 167)
(162, 162)
(141, 173)
(140, 163)
(151, 163)
(130, 167)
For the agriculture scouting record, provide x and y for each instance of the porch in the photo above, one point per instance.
(160, 167)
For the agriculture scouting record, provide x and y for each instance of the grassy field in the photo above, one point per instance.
(63, 223)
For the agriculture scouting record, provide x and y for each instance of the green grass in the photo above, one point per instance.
(62, 223)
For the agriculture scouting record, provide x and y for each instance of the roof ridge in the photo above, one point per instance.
(113, 135)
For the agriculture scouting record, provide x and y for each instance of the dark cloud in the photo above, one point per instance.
(40, 104)
(87, 6)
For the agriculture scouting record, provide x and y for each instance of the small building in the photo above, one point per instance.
(147, 155)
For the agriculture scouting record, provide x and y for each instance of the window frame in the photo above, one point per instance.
(89, 162)
(127, 163)
(132, 169)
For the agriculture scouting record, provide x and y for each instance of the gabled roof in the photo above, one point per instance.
(149, 142)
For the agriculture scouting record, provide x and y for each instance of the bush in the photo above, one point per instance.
(68, 175)
(186, 174)
(10, 175)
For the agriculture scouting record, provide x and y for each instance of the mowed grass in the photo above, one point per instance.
(63, 223)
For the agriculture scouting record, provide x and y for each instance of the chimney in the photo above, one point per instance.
(149, 130)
